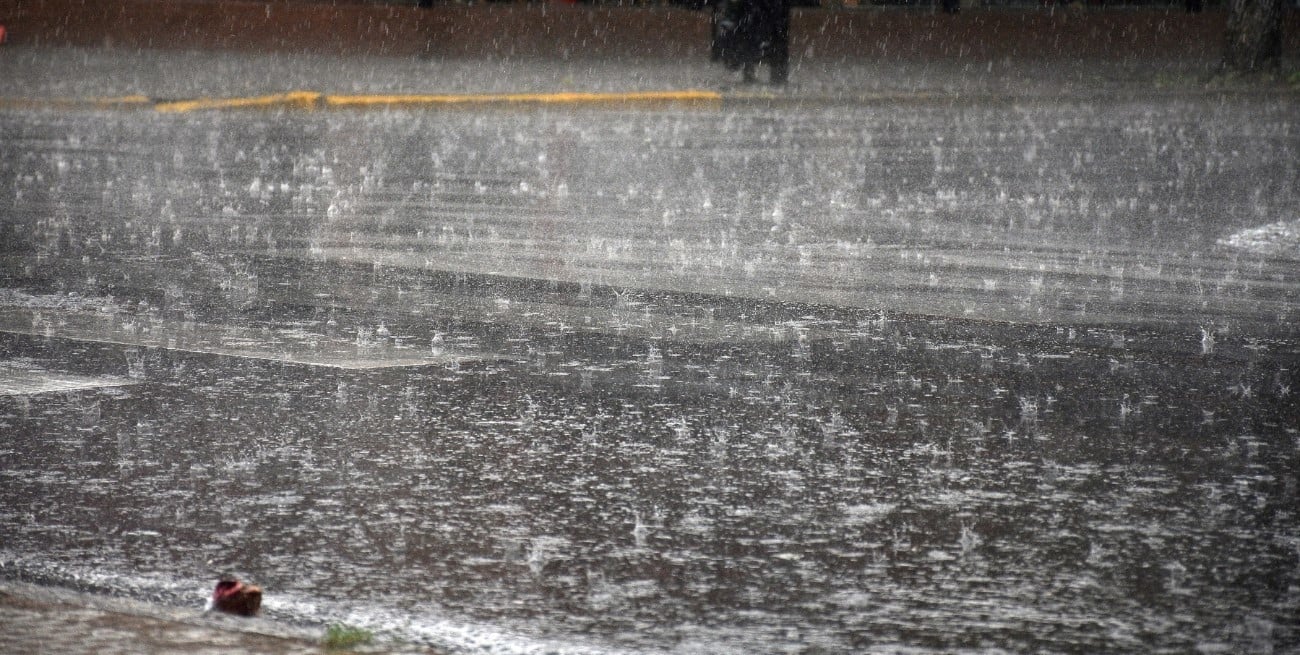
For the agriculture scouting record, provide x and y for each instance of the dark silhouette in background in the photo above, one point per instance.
(747, 33)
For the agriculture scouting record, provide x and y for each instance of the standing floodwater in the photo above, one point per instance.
(987, 376)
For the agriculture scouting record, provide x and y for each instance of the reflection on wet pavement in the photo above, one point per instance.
(19, 380)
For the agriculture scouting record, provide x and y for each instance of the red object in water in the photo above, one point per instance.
(3, 35)
(234, 597)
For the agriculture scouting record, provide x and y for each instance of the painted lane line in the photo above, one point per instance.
(296, 99)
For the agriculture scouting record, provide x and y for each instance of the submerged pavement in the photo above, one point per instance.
(910, 357)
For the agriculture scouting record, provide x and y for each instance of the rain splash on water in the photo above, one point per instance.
(1012, 377)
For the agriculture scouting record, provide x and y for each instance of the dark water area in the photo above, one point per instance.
(599, 382)
(896, 482)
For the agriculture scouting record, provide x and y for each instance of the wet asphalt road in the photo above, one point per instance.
(926, 376)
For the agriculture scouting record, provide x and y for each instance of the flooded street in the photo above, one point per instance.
(917, 377)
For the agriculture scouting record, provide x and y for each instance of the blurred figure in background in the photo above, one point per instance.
(749, 32)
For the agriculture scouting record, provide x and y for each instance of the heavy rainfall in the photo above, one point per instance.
(1001, 374)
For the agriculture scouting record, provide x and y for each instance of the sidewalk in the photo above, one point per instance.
(55, 622)
(586, 32)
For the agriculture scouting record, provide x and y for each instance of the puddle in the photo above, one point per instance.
(21, 381)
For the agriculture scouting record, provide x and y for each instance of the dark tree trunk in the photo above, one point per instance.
(1254, 35)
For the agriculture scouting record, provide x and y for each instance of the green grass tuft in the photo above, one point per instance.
(345, 636)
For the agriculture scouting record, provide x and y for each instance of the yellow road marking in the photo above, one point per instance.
(314, 99)
(299, 99)
(121, 100)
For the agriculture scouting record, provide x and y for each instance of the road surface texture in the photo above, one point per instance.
(925, 357)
